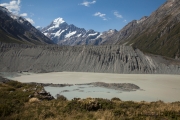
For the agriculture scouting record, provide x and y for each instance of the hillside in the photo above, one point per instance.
(103, 59)
(158, 34)
(15, 29)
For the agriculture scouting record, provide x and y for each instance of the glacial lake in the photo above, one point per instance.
(153, 87)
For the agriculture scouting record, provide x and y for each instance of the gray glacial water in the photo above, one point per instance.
(155, 86)
(84, 91)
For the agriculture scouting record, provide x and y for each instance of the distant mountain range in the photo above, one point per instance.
(64, 34)
(15, 29)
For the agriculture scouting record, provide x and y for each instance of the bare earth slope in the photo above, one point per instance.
(108, 59)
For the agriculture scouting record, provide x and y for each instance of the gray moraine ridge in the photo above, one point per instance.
(102, 59)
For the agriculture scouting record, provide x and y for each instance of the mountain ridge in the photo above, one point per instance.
(103, 59)
(158, 34)
(68, 34)
(17, 29)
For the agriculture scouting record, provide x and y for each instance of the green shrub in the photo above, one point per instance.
(61, 97)
(115, 99)
(15, 84)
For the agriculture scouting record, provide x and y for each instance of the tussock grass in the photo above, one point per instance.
(14, 104)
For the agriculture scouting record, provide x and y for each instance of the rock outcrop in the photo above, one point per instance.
(104, 59)
(115, 86)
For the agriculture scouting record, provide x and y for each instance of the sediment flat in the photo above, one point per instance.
(154, 86)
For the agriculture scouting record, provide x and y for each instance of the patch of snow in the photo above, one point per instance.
(110, 31)
(45, 34)
(93, 34)
(84, 35)
(79, 35)
(99, 35)
(21, 21)
(58, 33)
(70, 34)
(13, 16)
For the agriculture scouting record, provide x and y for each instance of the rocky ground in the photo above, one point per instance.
(116, 86)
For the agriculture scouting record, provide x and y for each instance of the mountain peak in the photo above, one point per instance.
(112, 30)
(142, 19)
(58, 21)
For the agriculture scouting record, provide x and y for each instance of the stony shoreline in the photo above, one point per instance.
(115, 86)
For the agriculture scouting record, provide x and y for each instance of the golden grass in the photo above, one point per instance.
(61, 109)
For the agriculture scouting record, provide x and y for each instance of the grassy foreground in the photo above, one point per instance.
(19, 102)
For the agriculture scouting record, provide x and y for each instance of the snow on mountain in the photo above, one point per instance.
(78, 35)
(92, 34)
(56, 23)
(64, 34)
(70, 34)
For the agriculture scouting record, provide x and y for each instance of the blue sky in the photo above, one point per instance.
(100, 15)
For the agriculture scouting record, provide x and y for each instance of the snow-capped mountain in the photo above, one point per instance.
(64, 34)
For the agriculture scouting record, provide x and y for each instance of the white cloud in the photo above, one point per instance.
(30, 20)
(86, 3)
(118, 15)
(125, 21)
(24, 14)
(103, 16)
(13, 6)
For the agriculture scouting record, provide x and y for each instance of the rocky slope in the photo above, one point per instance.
(158, 34)
(15, 29)
(64, 34)
(109, 59)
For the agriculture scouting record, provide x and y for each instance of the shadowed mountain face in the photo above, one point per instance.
(107, 59)
(15, 29)
(64, 34)
(158, 34)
